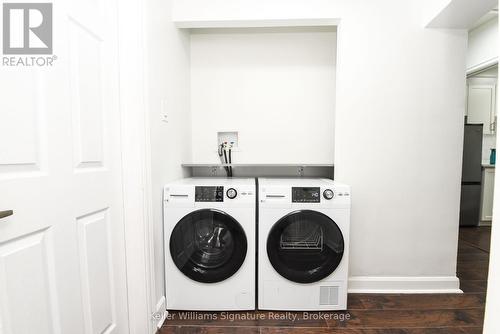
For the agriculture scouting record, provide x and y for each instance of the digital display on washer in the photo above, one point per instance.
(209, 194)
(305, 195)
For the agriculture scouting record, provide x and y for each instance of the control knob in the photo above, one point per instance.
(231, 193)
(328, 194)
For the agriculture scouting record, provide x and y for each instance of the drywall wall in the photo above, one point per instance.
(398, 132)
(483, 44)
(167, 92)
(274, 86)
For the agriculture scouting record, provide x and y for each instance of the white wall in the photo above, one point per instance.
(398, 131)
(483, 44)
(167, 79)
(275, 86)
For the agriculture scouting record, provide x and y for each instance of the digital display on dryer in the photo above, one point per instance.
(209, 194)
(305, 195)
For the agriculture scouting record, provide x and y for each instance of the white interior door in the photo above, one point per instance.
(62, 257)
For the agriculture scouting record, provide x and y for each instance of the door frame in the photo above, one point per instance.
(471, 71)
(491, 321)
(136, 169)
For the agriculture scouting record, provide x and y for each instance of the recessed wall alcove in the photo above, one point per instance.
(273, 86)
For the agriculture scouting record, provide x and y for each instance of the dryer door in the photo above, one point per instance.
(208, 245)
(305, 246)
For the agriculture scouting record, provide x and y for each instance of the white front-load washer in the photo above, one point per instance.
(303, 237)
(209, 226)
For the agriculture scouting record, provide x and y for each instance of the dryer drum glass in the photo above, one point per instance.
(208, 245)
(305, 246)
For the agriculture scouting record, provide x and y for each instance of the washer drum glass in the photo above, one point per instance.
(208, 245)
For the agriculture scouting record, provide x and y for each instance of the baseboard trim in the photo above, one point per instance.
(403, 284)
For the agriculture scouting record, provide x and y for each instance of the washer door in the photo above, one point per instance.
(208, 245)
(305, 246)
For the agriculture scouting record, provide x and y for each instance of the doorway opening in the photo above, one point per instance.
(479, 158)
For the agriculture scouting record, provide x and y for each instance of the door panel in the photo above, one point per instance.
(27, 282)
(21, 142)
(62, 255)
(86, 100)
(96, 272)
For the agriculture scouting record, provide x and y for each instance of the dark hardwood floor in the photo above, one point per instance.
(372, 313)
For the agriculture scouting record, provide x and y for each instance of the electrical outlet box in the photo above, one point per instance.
(228, 137)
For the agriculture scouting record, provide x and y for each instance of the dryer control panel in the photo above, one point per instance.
(303, 193)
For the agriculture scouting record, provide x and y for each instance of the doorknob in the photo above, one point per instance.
(6, 213)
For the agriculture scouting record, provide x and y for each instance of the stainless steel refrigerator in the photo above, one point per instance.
(470, 199)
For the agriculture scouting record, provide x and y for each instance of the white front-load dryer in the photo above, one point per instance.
(209, 226)
(303, 244)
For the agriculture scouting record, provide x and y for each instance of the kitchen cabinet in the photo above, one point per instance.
(481, 109)
(488, 184)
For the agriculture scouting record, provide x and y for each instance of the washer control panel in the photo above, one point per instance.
(209, 194)
(305, 195)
